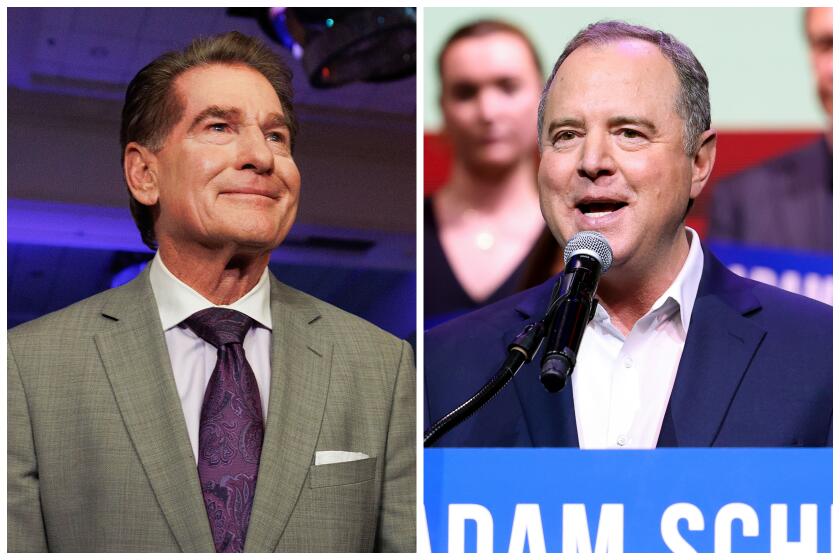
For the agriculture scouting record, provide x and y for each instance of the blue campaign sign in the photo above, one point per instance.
(664, 500)
(801, 272)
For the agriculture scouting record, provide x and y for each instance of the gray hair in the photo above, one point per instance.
(692, 103)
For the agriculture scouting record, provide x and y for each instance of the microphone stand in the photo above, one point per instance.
(521, 351)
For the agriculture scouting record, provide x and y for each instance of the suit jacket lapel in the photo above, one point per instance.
(300, 364)
(137, 363)
(721, 343)
(550, 418)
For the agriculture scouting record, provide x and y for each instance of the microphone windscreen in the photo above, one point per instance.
(590, 243)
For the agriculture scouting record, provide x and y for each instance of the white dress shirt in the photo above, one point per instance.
(621, 386)
(192, 358)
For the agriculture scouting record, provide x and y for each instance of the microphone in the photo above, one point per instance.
(587, 255)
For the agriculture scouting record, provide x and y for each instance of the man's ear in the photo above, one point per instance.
(140, 168)
(703, 162)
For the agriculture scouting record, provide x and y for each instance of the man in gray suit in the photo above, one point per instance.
(787, 201)
(205, 405)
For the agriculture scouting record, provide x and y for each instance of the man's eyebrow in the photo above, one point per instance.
(276, 120)
(563, 123)
(216, 112)
(638, 121)
(272, 120)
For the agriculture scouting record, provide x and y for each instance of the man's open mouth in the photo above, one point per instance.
(600, 208)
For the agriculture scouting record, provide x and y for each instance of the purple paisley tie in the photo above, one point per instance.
(230, 434)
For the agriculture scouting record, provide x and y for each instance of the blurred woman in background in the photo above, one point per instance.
(481, 227)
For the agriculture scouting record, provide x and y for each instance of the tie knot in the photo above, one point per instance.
(219, 326)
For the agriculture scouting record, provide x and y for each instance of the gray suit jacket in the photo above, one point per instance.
(785, 202)
(98, 453)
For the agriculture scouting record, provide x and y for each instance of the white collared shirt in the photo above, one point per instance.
(621, 386)
(192, 358)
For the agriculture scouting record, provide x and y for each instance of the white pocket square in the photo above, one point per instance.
(329, 457)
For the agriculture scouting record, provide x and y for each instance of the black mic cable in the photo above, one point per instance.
(587, 256)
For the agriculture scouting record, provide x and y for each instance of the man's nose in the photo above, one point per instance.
(254, 151)
(596, 158)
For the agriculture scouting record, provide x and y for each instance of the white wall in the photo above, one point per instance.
(756, 58)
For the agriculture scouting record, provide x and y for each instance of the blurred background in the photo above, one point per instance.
(765, 75)
(761, 84)
(70, 232)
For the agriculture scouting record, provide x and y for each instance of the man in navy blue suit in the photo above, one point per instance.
(680, 351)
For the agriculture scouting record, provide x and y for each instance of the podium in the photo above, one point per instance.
(663, 500)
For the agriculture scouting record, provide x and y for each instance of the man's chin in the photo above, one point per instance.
(259, 232)
(258, 245)
(247, 243)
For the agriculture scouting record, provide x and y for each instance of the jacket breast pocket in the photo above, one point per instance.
(336, 511)
(338, 474)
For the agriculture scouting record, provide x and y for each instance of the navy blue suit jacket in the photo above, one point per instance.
(756, 371)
